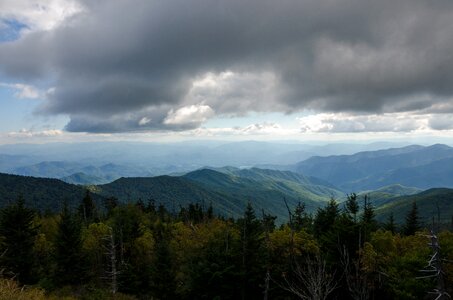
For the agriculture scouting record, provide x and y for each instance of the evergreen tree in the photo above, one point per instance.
(325, 218)
(68, 250)
(110, 204)
(252, 266)
(301, 219)
(87, 208)
(390, 224)
(412, 224)
(163, 277)
(368, 214)
(352, 206)
(18, 236)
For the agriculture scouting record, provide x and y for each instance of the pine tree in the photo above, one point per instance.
(68, 250)
(412, 224)
(18, 233)
(368, 223)
(252, 269)
(325, 218)
(87, 208)
(301, 219)
(352, 206)
(390, 224)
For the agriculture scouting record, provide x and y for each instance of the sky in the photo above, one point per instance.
(83, 70)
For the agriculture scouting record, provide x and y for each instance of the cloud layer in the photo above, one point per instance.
(139, 65)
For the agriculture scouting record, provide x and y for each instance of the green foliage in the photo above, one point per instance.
(412, 224)
(18, 233)
(68, 250)
(153, 252)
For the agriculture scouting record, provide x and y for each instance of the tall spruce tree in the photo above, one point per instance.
(412, 224)
(253, 267)
(18, 233)
(69, 260)
(87, 208)
(352, 206)
(325, 218)
(390, 224)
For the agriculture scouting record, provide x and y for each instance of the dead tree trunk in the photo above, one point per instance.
(112, 273)
(313, 281)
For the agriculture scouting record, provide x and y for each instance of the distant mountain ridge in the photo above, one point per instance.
(228, 193)
(80, 173)
(417, 166)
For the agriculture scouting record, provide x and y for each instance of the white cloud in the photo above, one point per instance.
(235, 93)
(23, 91)
(189, 115)
(26, 133)
(39, 14)
(343, 123)
(144, 121)
(258, 129)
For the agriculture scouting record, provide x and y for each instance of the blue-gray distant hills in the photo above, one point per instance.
(414, 166)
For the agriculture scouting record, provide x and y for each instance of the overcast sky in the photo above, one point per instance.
(261, 69)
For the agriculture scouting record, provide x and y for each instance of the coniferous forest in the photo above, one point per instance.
(141, 250)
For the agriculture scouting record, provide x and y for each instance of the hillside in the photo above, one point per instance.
(386, 193)
(40, 193)
(228, 191)
(438, 173)
(427, 203)
(173, 192)
(81, 178)
(417, 166)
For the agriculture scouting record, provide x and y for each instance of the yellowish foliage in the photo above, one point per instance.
(93, 235)
(144, 245)
(303, 242)
(10, 290)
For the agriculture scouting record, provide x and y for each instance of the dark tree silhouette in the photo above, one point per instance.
(18, 232)
(412, 224)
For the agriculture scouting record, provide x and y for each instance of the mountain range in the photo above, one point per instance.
(228, 190)
(415, 166)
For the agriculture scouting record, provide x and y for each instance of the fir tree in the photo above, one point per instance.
(412, 224)
(301, 219)
(252, 268)
(68, 250)
(18, 233)
(352, 206)
(325, 218)
(390, 224)
(87, 208)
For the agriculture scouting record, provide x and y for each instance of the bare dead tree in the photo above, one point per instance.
(434, 269)
(112, 272)
(357, 280)
(312, 280)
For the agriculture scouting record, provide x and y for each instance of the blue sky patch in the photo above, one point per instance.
(10, 30)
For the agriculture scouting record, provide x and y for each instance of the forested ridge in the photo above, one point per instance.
(144, 251)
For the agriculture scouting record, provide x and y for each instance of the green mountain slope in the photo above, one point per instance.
(40, 193)
(386, 193)
(173, 192)
(266, 187)
(427, 203)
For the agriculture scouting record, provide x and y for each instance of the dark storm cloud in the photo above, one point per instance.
(121, 61)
